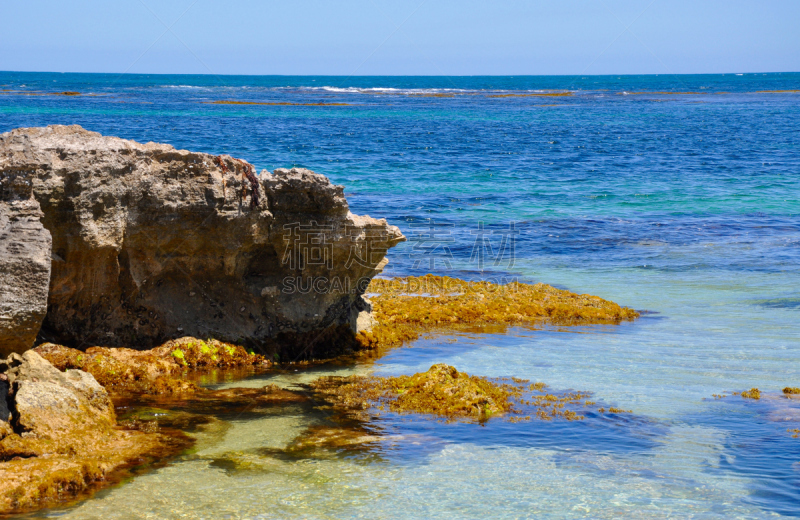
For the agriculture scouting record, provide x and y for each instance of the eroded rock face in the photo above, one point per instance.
(24, 266)
(151, 243)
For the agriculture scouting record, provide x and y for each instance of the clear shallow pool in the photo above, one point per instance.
(684, 205)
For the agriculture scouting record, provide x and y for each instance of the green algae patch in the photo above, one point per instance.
(157, 371)
(196, 353)
(406, 308)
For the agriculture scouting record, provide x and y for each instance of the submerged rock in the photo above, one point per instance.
(442, 391)
(445, 392)
(61, 439)
(150, 243)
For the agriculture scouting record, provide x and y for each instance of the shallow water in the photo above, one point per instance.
(681, 204)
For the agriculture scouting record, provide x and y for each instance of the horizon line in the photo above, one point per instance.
(397, 75)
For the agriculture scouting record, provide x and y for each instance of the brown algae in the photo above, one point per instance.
(36, 475)
(156, 371)
(445, 392)
(406, 308)
(538, 94)
(753, 393)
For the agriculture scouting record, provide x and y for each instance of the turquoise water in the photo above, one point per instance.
(682, 200)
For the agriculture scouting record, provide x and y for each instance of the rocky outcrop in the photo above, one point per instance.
(49, 403)
(58, 436)
(24, 266)
(150, 243)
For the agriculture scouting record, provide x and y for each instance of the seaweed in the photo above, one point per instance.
(753, 393)
(157, 371)
(406, 308)
(537, 94)
(445, 392)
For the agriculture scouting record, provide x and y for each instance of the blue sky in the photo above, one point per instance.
(376, 37)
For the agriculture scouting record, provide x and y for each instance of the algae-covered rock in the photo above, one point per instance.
(406, 308)
(442, 390)
(791, 391)
(156, 371)
(62, 440)
(445, 392)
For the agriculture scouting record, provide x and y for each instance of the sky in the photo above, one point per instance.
(401, 37)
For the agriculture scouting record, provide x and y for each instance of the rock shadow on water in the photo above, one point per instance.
(190, 410)
(762, 445)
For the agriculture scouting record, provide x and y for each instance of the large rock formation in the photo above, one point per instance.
(151, 243)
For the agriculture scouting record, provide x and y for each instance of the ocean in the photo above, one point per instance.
(674, 195)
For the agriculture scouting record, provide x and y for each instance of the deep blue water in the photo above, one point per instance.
(675, 194)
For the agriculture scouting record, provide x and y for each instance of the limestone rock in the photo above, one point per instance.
(24, 265)
(49, 403)
(150, 243)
